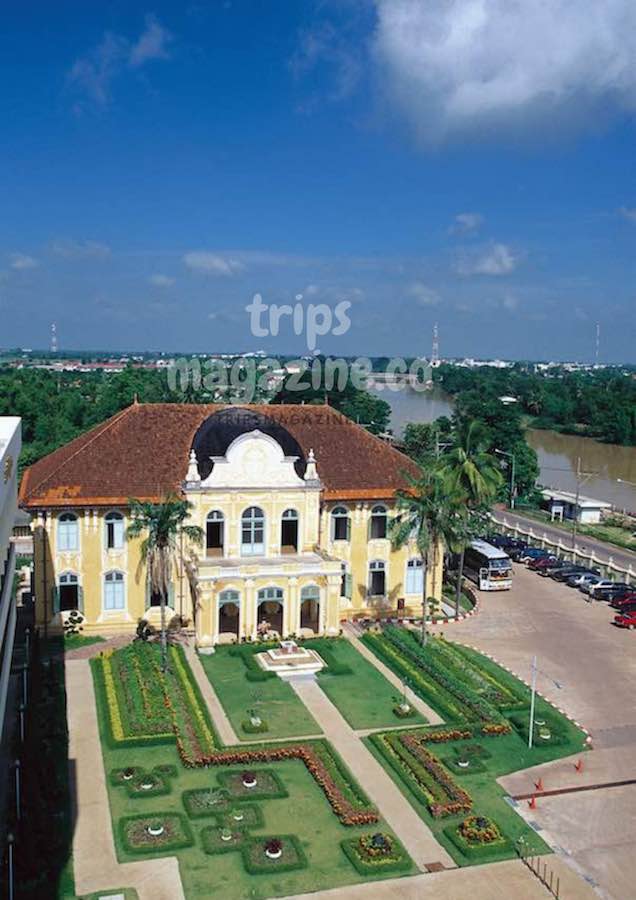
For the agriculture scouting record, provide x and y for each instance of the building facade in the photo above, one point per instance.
(10, 446)
(294, 502)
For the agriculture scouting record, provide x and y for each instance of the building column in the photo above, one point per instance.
(330, 608)
(291, 608)
(249, 612)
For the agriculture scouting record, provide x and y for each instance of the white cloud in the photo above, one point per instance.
(72, 249)
(161, 280)
(422, 294)
(152, 43)
(506, 65)
(94, 73)
(212, 263)
(628, 213)
(21, 262)
(510, 302)
(466, 222)
(498, 259)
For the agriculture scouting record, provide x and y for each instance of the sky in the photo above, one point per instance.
(470, 163)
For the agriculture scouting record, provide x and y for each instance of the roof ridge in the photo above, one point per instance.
(100, 429)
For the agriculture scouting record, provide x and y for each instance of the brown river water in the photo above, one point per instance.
(558, 453)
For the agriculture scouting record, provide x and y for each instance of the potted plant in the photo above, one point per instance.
(248, 779)
(155, 828)
(237, 814)
(128, 774)
(273, 849)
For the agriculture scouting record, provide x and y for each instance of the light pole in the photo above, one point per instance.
(533, 691)
(512, 474)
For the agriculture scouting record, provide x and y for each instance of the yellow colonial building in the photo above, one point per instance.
(294, 502)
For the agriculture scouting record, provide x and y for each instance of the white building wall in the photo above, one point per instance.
(10, 445)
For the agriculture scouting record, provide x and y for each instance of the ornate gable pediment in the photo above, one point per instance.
(255, 460)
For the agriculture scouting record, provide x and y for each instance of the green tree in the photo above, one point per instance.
(429, 513)
(162, 524)
(473, 474)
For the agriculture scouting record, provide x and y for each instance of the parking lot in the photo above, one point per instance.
(587, 667)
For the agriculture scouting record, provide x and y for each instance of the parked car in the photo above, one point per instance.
(625, 597)
(527, 553)
(602, 592)
(626, 607)
(542, 562)
(566, 571)
(550, 567)
(505, 542)
(604, 583)
(581, 578)
(628, 620)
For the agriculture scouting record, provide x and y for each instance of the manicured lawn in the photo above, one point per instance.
(73, 641)
(365, 698)
(305, 813)
(285, 714)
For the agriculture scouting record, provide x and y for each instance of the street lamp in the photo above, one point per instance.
(512, 474)
(557, 685)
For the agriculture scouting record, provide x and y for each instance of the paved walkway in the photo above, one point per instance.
(496, 881)
(427, 711)
(219, 716)
(374, 781)
(94, 860)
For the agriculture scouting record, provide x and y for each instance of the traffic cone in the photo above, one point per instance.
(539, 784)
(578, 765)
(533, 802)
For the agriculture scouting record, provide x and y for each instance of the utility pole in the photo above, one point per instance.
(581, 478)
(532, 696)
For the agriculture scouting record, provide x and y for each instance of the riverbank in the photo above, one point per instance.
(608, 534)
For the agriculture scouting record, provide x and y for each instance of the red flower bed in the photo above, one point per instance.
(450, 734)
(342, 807)
(458, 799)
(495, 728)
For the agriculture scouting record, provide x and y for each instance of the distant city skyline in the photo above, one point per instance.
(164, 164)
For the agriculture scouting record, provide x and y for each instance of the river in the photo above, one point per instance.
(557, 453)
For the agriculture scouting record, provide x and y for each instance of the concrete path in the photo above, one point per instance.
(496, 881)
(374, 781)
(94, 860)
(222, 724)
(390, 676)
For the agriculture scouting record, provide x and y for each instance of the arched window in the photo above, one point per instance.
(114, 591)
(340, 524)
(253, 532)
(114, 524)
(270, 594)
(377, 578)
(414, 576)
(68, 592)
(377, 525)
(214, 533)
(229, 612)
(67, 532)
(289, 531)
(310, 608)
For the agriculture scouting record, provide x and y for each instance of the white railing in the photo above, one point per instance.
(608, 566)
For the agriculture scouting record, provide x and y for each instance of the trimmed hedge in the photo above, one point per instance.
(250, 728)
(325, 648)
(398, 861)
(271, 789)
(196, 811)
(184, 837)
(252, 816)
(477, 851)
(246, 653)
(452, 763)
(521, 724)
(256, 863)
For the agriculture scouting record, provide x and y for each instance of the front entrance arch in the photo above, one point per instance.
(229, 615)
(310, 608)
(270, 609)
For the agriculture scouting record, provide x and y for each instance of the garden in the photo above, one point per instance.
(277, 818)
(449, 772)
(360, 692)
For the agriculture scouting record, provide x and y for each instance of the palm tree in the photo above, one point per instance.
(473, 474)
(427, 513)
(162, 523)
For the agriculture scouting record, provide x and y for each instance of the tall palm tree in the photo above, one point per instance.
(162, 523)
(428, 513)
(473, 474)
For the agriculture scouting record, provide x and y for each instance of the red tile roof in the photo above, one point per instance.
(143, 452)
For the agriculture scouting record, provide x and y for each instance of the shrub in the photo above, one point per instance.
(133, 832)
(401, 713)
(256, 862)
(268, 785)
(249, 728)
(478, 837)
(212, 841)
(376, 854)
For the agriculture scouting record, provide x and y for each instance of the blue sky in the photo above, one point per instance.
(470, 163)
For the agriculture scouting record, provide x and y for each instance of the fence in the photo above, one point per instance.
(575, 554)
(540, 869)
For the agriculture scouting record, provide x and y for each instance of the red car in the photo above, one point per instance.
(622, 599)
(626, 621)
(543, 562)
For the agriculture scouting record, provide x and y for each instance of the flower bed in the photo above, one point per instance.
(423, 772)
(478, 837)
(551, 733)
(268, 785)
(136, 837)
(376, 854)
(141, 783)
(212, 839)
(451, 658)
(241, 815)
(256, 861)
(202, 802)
